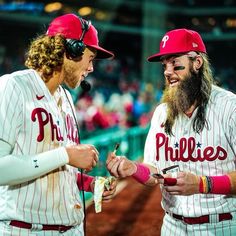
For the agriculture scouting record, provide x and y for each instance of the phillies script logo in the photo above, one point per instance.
(44, 117)
(187, 150)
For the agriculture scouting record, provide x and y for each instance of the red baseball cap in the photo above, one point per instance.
(179, 41)
(70, 26)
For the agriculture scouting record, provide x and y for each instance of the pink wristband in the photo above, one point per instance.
(215, 184)
(220, 184)
(142, 174)
(87, 180)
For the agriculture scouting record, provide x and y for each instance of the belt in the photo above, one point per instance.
(24, 225)
(203, 219)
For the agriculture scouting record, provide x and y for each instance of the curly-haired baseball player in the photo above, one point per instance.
(40, 150)
(190, 149)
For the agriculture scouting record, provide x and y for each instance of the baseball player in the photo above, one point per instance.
(40, 150)
(190, 149)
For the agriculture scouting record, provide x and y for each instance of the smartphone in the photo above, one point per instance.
(158, 176)
(171, 169)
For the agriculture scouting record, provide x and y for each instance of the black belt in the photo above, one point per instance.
(201, 219)
(24, 225)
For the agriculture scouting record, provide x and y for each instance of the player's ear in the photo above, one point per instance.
(197, 62)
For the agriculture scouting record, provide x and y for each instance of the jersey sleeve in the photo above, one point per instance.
(150, 143)
(17, 169)
(11, 109)
(232, 130)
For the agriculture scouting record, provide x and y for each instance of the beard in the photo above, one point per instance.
(70, 78)
(181, 97)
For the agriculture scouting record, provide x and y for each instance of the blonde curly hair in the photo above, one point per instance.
(46, 53)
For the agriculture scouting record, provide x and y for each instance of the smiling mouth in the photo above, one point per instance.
(173, 82)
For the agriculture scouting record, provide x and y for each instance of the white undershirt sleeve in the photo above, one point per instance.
(19, 169)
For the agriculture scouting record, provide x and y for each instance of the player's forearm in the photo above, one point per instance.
(143, 174)
(19, 169)
(224, 184)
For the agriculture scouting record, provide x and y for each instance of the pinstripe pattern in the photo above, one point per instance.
(221, 117)
(50, 199)
(178, 228)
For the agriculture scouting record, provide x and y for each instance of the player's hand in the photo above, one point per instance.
(83, 156)
(108, 194)
(186, 184)
(120, 166)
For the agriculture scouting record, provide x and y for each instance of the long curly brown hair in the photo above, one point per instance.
(201, 98)
(46, 54)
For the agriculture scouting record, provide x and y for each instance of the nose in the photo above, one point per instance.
(169, 69)
(90, 68)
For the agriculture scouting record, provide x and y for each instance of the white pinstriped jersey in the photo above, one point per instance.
(32, 121)
(212, 152)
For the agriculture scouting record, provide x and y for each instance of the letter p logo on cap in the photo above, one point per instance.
(164, 40)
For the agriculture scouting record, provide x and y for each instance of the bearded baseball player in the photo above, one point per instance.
(190, 149)
(40, 150)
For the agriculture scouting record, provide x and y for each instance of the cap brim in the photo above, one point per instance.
(154, 57)
(102, 53)
(157, 57)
